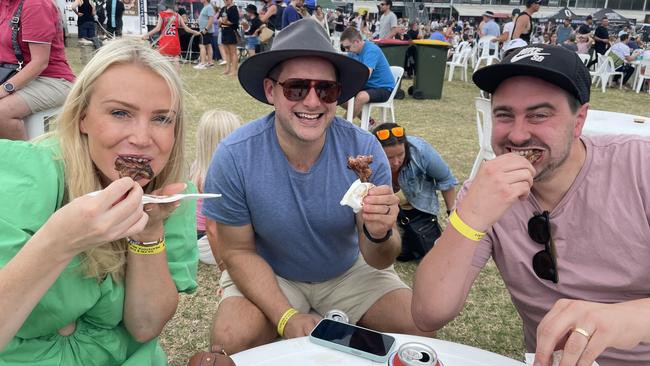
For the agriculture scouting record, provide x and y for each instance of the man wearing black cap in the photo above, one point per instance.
(524, 27)
(563, 216)
(288, 245)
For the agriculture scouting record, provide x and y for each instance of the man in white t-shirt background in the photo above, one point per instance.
(624, 55)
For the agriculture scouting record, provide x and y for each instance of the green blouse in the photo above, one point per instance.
(31, 189)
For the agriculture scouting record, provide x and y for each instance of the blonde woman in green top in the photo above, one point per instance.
(93, 279)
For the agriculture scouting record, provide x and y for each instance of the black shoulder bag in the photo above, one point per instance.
(9, 70)
(420, 231)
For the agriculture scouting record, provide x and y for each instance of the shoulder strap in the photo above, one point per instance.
(15, 28)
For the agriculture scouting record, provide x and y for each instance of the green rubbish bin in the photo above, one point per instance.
(430, 64)
(395, 52)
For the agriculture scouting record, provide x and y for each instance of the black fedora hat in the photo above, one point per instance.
(304, 38)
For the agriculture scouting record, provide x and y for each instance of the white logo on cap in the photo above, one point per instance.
(534, 53)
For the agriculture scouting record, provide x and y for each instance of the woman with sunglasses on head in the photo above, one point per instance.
(92, 279)
(418, 173)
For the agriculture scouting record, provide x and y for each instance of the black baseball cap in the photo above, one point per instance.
(554, 64)
(531, 2)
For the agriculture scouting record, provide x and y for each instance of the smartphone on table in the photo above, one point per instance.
(353, 339)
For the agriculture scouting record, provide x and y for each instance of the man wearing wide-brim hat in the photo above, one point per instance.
(564, 217)
(488, 26)
(291, 251)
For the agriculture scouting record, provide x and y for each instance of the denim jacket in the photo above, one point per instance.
(425, 174)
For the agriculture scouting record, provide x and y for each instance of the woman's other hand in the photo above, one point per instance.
(158, 212)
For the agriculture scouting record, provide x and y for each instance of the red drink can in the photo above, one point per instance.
(414, 354)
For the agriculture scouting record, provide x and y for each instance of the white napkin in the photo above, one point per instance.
(355, 194)
(530, 358)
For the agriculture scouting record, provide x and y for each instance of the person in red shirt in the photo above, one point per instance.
(169, 43)
(45, 78)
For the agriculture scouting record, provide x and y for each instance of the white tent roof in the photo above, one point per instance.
(369, 6)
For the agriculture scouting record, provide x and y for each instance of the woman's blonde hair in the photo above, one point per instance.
(213, 127)
(81, 176)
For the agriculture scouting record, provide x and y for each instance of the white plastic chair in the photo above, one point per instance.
(584, 58)
(487, 54)
(484, 129)
(398, 72)
(37, 124)
(474, 56)
(642, 76)
(460, 61)
(350, 112)
(605, 72)
(456, 50)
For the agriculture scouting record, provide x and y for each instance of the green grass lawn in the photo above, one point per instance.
(489, 320)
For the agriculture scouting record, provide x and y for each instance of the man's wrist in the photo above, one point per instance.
(374, 239)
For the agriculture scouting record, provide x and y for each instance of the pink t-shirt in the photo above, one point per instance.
(601, 231)
(200, 219)
(40, 23)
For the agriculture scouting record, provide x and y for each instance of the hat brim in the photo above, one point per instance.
(351, 73)
(488, 15)
(489, 78)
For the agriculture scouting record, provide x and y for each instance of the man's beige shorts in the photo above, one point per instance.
(44, 93)
(353, 292)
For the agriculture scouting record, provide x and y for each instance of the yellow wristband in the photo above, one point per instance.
(285, 319)
(144, 243)
(464, 229)
(147, 250)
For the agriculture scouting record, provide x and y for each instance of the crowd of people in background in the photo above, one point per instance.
(230, 33)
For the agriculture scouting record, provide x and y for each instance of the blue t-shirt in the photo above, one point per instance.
(437, 36)
(491, 28)
(289, 16)
(308, 3)
(372, 57)
(301, 230)
(204, 17)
